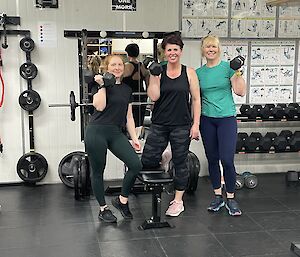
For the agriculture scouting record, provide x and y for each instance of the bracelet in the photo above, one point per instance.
(239, 73)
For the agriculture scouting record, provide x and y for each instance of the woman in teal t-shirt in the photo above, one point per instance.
(218, 124)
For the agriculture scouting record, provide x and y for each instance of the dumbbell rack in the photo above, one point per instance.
(258, 124)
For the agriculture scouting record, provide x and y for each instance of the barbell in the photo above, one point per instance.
(73, 104)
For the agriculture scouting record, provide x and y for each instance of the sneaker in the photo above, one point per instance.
(175, 208)
(123, 208)
(107, 216)
(216, 204)
(233, 208)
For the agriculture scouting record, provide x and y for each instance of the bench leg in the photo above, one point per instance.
(295, 247)
(155, 220)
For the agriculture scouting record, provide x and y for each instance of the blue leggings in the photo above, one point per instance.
(219, 137)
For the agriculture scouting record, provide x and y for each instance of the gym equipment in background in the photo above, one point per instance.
(65, 167)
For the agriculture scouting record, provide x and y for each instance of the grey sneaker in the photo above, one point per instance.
(216, 204)
(233, 208)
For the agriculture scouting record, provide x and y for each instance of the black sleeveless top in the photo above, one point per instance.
(115, 113)
(136, 85)
(173, 106)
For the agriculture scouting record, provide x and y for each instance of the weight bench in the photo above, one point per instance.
(155, 181)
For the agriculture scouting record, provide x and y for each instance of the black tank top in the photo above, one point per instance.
(115, 113)
(173, 107)
(136, 85)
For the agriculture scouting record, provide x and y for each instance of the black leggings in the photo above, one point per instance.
(156, 143)
(98, 139)
(219, 137)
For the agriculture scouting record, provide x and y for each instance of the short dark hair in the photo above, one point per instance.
(172, 38)
(132, 50)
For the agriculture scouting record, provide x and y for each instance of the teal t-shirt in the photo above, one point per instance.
(216, 93)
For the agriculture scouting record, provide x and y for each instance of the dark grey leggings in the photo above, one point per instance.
(156, 143)
(98, 139)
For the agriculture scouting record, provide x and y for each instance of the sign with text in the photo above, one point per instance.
(124, 5)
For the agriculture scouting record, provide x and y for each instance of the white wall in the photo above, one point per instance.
(55, 135)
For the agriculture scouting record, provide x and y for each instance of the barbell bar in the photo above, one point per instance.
(73, 104)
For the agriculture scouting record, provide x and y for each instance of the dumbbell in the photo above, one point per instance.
(266, 111)
(252, 142)
(278, 112)
(239, 182)
(154, 67)
(267, 141)
(240, 143)
(292, 177)
(108, 78)
(294, 141)
(250, 112)
(237, 62)
(250, 180)
(290, 112)
(280, 144)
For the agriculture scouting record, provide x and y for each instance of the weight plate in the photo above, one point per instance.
(65, 168)
(27, 44)
(32, 167)
(76, 179)
(29, 100)
(194, 169)
(28, 71)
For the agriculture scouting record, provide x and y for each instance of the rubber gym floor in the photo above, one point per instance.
(46, 221)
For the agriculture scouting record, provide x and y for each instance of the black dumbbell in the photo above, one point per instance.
(286, 133)
(265, 144)
(278, 112)
(290, 112)
(154, 67)
(280, 144)
(292, 177)
(250, 180)
(294, 142)
(237, 62)
(108, 78)
(252, 142)
(240, 143)
(266, 111)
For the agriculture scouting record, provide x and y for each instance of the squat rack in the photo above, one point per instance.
(82, 36)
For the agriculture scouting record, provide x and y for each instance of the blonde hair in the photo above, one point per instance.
(94, 63)
(210, 40)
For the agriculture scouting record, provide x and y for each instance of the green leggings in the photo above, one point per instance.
(98, 139)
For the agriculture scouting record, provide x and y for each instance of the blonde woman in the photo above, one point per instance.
(218, 126)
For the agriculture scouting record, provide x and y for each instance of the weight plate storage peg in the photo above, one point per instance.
(65, 167)
(32, 167)
(29, 100)
(27, 44)
(28, 71)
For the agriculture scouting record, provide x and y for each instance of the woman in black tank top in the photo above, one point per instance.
(172, 119)
(135, 76)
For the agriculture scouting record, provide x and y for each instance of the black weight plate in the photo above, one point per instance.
(32, 167)
(27, 44)
(28, 71)
(194, 169)
(76, 179)
(84, 179)
(29, 100)
(65, 168)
